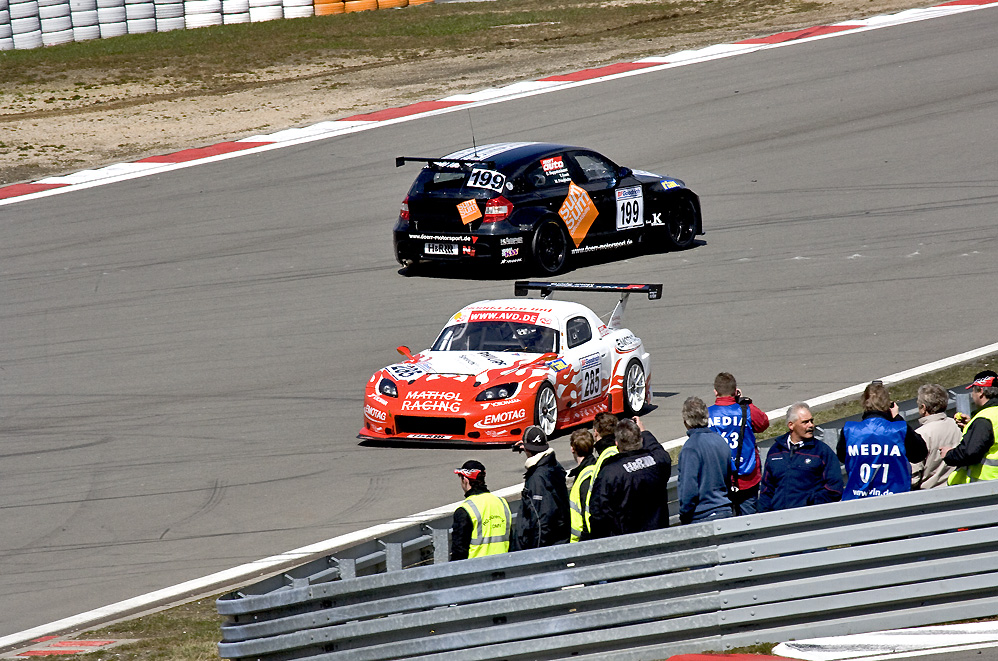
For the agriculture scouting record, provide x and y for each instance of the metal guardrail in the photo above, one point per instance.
(902, 560)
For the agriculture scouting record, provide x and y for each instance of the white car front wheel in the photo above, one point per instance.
(546, 409)
(634, 388)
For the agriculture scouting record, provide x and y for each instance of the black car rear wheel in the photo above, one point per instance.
(681, 225)
(550, 247)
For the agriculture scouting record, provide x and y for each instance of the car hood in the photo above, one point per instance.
(463, 363)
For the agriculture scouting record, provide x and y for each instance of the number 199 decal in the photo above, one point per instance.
(490, 179)
(630, 208)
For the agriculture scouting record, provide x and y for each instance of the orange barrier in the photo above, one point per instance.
(418, 2)
(359, 5)
(329, 8)
(392, 4)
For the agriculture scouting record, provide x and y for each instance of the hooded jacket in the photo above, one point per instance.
(543, 516)
(630, 493)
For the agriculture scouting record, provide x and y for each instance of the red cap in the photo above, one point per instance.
(985, 379)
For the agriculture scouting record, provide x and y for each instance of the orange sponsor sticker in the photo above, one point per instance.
(578, 212)
(469, 211)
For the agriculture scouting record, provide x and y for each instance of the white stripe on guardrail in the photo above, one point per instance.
(260, 568)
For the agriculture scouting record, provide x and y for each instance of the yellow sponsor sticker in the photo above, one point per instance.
(469, 211)
(578, 212)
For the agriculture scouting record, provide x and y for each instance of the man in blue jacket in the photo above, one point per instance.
(799, 470)
(704, 468)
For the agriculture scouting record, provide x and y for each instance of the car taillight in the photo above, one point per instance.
(496, 209)
(404, 210)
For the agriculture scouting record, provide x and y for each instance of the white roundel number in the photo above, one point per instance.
(630, 208)
(490, 179)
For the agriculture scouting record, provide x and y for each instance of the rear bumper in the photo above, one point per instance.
(498, 250)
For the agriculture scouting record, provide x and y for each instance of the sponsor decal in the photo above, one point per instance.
(458, 318)
(495, 360)
(375, 414)
(501, 402)
(502, 419)
(468, 251)
(467, 360)
(511, 261)
(378, 398)
(604, 331)
(495, 434)
(432, 401)
(578, 212)
(589, 361)
(511, 240)
(639, 463)
(603, 246)
(510, 252)
(553, 164)
(441, 237)
(558, 365)
(469, 211)
(405, 372)
(504, 315)
(656, 220)
(432, 437)
(490, 179)
(590, 377)
(627, 343)
(669, 183)
(630, 208)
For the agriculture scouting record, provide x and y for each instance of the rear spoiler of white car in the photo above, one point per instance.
(523, 287)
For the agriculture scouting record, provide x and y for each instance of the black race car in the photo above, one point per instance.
(536, 205)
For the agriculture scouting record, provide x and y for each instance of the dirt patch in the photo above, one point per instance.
(83, 120)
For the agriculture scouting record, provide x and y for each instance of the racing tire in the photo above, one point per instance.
(549, 247)
(546, 409)
(634, 388)
(681, 226)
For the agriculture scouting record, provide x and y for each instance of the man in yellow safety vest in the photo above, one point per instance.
(976, 457)
(482, 523)
(581, 479)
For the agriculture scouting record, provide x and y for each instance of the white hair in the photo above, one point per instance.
(793, 413)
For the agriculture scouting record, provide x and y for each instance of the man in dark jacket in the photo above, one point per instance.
(704, 468)
(799, 470)
(543, 515)
(629, 492)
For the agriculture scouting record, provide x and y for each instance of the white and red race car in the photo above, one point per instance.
(499, 366)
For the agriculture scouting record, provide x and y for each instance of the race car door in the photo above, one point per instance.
(590, 359)
(620, 206)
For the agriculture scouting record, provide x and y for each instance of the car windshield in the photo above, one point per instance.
(497, 336)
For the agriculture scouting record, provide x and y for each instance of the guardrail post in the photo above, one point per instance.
(830, 435)
(440, 533)
(393, 555)
(347, 567)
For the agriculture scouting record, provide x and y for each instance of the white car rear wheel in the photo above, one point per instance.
(634, 388)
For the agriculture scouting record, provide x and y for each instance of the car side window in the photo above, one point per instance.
(549, 171)
(596, 169)
(578, 331)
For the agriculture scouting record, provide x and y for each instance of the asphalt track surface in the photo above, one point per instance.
(184, 355)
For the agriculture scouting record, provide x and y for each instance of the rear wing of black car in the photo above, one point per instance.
(523, 287)
(462, 163)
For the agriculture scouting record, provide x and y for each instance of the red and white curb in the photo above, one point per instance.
(189, 157)
(61, 646)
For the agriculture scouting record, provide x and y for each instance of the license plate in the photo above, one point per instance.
(441, 249)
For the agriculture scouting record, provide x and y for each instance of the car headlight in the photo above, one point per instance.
(502, 391)
(387, 388)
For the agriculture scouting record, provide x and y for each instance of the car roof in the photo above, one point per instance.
(557, 310)
(510, 154)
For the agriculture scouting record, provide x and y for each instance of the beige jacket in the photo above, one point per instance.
(938, 431)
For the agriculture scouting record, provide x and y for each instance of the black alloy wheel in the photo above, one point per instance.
(550, 247)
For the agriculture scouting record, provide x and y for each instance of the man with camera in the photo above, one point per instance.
(738, 420)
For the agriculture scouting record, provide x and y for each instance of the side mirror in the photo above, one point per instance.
(404, 350)
(624, 172)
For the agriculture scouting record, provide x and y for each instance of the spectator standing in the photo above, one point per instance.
(580, 480)
(543, 516)
(482, 523)
(938, 431)
(876, 451)
(630, 491)
(604, 427)
(704, 468)
(976, 457)
(738, 420)
(799, 470)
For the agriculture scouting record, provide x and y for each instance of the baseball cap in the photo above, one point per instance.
(985, 379)
(534, 439)
(471, 469)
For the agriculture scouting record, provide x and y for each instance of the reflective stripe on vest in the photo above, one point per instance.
(604, 455)
(577, 517)
(491, 519)
(988, 468)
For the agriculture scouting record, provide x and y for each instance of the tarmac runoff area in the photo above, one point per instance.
(44, 640)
